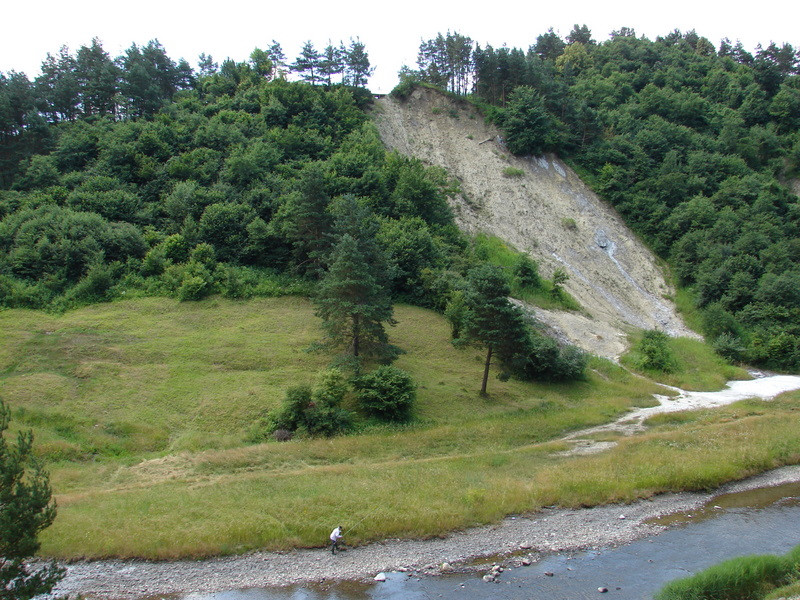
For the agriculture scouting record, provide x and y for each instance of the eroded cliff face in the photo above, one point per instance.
(547, 212)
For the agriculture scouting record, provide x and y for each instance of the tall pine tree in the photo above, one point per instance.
(352, 303)
(491, 320)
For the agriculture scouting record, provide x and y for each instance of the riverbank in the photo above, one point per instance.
(513, 540)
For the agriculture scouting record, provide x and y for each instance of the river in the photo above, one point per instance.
(764, 521)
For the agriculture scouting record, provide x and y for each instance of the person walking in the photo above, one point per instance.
(336, 535)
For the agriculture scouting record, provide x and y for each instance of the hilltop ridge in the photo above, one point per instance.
(547, 212)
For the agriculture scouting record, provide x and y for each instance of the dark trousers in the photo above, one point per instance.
(334, 545)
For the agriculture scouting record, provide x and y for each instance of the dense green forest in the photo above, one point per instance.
(695, 146)
(140, 176)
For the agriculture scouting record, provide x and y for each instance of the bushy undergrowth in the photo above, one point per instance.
(387, 393)
(314, 411)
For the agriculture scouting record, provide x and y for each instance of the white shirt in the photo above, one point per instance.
(336, 534)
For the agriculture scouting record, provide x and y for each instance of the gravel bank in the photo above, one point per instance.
(551, 530)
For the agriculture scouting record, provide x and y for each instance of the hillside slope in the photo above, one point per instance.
(547, 212)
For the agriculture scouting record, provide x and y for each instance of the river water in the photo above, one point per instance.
(763, 521)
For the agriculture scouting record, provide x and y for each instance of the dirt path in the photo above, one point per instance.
(550, 530)
(547, 212)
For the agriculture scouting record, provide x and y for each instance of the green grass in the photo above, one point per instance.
(698, 366)
(742, 578)
(513, 172)
(141, 409)
(499, 253)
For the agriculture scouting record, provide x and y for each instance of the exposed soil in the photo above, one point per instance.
(547, 212)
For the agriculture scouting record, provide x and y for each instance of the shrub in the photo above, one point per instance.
(655, 353)
(154, 262)
(175, 248)
(403, 89)
(547, 361)
(205, 255)
(560, 277)
(193, 287)
(729, 347)
(569, 223)
(388, 393)
(95, 285)
(526, 272)
(314, 411)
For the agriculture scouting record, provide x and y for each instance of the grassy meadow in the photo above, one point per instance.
(142, 408)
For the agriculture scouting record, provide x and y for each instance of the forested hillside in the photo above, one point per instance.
(181, 183)
(139, 176)
(695, 146)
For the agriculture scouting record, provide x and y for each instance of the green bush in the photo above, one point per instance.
(527, 272)
(314, 411)
(193, 287)
(655, 353)
(729, 347)
(154, 262)
(545, 360)
(569, 223)
(388, 394)
(175, 248)
(403, 89)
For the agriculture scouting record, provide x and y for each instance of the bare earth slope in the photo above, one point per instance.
(615, 278)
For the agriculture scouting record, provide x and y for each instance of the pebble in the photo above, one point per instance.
(488, 578)
(548, 573)
(446, 567)
(526, 562)
(380, 577)
(602, 590)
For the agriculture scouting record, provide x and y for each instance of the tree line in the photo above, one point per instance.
(693, 144)
(90, 84)
(242, 184)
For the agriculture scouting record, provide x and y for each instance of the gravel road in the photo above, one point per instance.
(551, 530)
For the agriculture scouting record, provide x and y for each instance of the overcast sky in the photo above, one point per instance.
(391, 31)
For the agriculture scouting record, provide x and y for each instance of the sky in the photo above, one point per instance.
(391, 31)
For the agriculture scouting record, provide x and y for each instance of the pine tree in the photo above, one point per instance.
(307, 63)
(357, 68)
(351, 302)
(491, 320)
(331, 63)
(26, 509)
